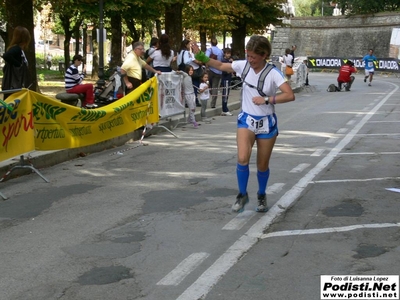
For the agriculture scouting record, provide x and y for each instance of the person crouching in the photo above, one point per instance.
(345, 75)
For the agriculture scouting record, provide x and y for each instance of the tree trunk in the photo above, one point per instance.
(238, 41)
(84, 42)
(158, 27)
(77, 36)
(20, 13)
(65, 21)
(130, 23)
(95, 53)
(173, 25)
(116, 38)
(203, 38)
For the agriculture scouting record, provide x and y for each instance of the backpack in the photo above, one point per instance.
(332, 88)
(212, 55)
(146, 54)
(261, 79)
(182, 65)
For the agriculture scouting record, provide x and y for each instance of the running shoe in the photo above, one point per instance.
(93, 105)
(241, 201)
(369, 84)
(262, 203)
(226, 113)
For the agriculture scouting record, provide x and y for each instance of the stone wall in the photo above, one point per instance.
(337, 36)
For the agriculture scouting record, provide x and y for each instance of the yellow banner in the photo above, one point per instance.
(39, 122)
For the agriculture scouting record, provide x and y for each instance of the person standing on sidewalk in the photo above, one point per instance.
(153, 47)
(187, 58)
(15, 70)
(131, 69)
(369, 61)
(226, 79)
(163, 56)
(257, 122)
(188, 93)
(204, 96)
(287, 60)
(294, 47)
(49, 60)
(214, 75)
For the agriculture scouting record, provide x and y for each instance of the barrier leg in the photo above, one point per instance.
(23, 165)
(162, 126)
(2, 196)
(184, 120)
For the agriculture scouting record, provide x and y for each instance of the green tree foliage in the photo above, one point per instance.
(133, 20)
(369, 6)
(307, 8)
(254, 18)
(313, 8)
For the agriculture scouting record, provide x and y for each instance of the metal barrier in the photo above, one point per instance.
(170, 100)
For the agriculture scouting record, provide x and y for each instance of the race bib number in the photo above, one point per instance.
(258, 126)
(370, 64)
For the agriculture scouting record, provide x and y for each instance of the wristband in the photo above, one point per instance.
(201, 56)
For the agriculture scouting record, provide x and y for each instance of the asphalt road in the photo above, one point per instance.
(154, 221)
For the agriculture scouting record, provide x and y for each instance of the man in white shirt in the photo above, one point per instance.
(214, 75)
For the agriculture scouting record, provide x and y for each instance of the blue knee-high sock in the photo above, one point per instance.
(262, 181)
(242, 173)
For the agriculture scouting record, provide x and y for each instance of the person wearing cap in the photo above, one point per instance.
(74, 85)
(345, 75)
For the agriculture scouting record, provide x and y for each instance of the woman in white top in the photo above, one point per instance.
(163, 56)
(257, 122)
(188, 59)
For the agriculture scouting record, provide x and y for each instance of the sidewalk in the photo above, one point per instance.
(44, 159)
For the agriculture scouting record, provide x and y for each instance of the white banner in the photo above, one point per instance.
(170, 100)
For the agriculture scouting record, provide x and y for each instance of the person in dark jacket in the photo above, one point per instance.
(15, 71)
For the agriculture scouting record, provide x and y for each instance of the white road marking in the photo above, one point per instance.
(275, 188)
(332, 140)
(318, 152)
(328, 230)
(370, 153)
(384, 121)
(300, 168)
(238, 222)
(377, 134)
(355, 180)
(183, 269)
(351, 122)
(342, 130)
(202, 286)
